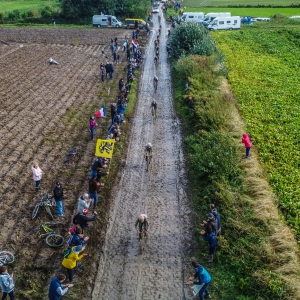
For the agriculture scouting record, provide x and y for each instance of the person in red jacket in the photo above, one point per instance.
(248, 145)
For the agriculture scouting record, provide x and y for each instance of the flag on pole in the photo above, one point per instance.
(104, 148)
(134, 43)
(101, 113)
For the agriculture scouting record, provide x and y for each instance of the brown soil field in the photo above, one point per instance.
(44, 112)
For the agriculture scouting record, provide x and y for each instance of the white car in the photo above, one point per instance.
(155, 10)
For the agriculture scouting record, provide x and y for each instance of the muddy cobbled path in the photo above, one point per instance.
(160, 269)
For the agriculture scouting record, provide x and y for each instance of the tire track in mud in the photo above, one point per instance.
(157, 272)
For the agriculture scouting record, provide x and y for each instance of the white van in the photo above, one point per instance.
(225, 23)
(211, 16)
(106, 21)
(193, 17)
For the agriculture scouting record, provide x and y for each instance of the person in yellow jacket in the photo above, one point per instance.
(70, 261)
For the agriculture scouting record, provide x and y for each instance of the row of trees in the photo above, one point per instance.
(79, 11)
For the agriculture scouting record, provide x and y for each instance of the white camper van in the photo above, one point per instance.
(211, 16)
(225, 23)
(192, 17)
(106, 21)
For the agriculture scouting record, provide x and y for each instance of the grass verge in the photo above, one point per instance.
(257, 256)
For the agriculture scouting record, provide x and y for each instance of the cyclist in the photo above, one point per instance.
(142, 224)
(148, 151)
(169, 32)
(153, 108)
(155, 81)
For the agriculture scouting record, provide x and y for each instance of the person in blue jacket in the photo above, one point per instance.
(57, 288)
(204, 279)
(209, 236)
(6, 283)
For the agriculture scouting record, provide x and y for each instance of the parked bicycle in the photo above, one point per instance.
(47, 202)
(53, 238)
(6, 258)
(72, 154)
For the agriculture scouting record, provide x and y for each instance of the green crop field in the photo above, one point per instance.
(25, 5)
(251, 11)
(264, 73)
(213, 3)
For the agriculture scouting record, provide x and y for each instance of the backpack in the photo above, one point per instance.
(76, 219)
(69, 241)
(67, 252)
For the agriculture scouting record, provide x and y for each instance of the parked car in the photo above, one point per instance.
(134, 23)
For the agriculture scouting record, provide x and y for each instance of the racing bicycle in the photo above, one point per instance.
(6, 258)
(53, 238)
(148, 157)
(47, 202)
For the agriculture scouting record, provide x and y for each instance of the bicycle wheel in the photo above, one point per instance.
(54, 240)
(6, 258)
(48, 210)
(35, 211)
(148, 162)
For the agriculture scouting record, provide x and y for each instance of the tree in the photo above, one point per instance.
(191, 38)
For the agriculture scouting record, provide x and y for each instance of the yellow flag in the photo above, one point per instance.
(104, 148)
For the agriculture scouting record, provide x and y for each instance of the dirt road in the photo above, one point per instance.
(157, 272)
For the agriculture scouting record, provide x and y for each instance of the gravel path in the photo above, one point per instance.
(158, 271)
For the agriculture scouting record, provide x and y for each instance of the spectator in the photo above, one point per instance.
(84, 202)
(111, 70)
(93, 125)
(214, 211)
(113, 111)
(107, 69)
(93, 189)
(112, 46)
(6, 283)
(70, 261)
(37, 176)
(121, 84)
(77, 238)
(191, 104)
(101, 174)
(248, 145)
(203, 278)
(209, 235)
(58, 194)
(99, 163)
(57, 288)
(82, 219)
(128, 54)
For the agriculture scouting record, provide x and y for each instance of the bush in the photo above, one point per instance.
(191, 38)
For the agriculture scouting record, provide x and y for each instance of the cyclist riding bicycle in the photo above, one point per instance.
(155, 81)
(142, 225)
(153, 108)
(148, 150)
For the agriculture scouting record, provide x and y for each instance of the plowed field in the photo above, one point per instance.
(44, 112)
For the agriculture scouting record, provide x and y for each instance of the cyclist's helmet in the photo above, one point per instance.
(155, 78)
(141, 219)
(149, 145)
(85, 211)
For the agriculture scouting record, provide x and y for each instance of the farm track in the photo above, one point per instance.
(44, 112)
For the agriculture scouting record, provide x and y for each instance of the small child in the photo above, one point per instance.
(6, 283)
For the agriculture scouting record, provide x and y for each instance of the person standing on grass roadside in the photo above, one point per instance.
(84, 202)
(57, 288)
(209, 235)
(93, 189)
(204, 279)
(6, 283)
(58, 194)
(37, 176)
(70, 261)
(93, 125)
(248, 145)
(191, 104)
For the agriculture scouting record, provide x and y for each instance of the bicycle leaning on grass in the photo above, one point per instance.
(6, 258)
(47, 202)
(53, 238)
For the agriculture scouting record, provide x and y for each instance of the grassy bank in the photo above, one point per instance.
(256, 257)
(268, 92)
